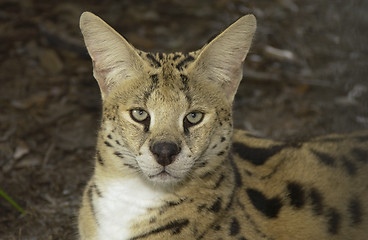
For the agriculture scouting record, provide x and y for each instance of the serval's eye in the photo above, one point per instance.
(193, 118)
(139, 115)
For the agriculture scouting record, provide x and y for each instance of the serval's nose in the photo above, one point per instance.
(165, 152)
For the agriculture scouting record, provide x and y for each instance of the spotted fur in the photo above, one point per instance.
(204, 180)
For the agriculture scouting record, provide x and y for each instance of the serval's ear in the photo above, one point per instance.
(114, 59)
(222, 59)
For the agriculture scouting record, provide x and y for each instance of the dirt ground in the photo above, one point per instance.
(306, 75)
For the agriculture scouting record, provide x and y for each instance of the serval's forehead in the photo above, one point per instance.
(177, 60)
(168, 76)
(167, 89)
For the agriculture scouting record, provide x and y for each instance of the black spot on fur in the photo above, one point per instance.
(184, 79)
(219, 181)
(203, 164)
(174, 226)
(296, 194)
(349, 166)
(99, 158)
(186, 60)
(223, 139)
(109, 136)
(154, 78)
(324, 158)
(237, 176)
(217, 227)
(130, 166)
(216, 206)
(153, 60)
(175, 203)
(119, 154)
(269, 207)
(201, 207)
(97, 190)
(220, 153)
(117, 142)
(333, 221)
(256, 156)
(234, 227)
(355, 210)
(107, 144)
(90, 200)
(360, 154)
(90, 193)
(317, 201)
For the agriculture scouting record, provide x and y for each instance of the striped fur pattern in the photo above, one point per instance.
(168, 164)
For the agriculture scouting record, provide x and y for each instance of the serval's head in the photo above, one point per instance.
(166, 116)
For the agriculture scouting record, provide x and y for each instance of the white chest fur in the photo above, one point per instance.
(123, 201)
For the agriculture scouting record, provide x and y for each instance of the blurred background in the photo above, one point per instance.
(305, 75)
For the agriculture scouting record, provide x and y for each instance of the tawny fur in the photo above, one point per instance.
(222, 184)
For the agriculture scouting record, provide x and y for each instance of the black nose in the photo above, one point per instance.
(165, 152)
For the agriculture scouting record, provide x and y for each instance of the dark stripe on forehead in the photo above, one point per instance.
(154, 78)
(160, 56)
(153, 60)
(176, 57)
(185, 88)
(152, 87)
(184, 79)
(186, 60)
